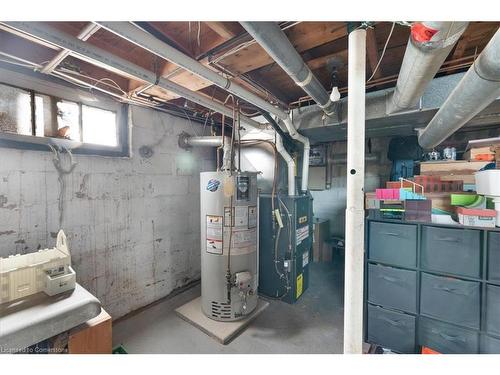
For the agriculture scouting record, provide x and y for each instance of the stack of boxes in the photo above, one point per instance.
(433, 184)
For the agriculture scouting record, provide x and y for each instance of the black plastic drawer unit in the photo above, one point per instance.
(489, 345)
(392, 287)
(450, 250)
(393, 243)
(449, 299)
(446, 338)
(494, 256)
(493, 309)
(391, 329)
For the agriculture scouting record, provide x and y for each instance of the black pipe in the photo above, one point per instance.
(285, 136)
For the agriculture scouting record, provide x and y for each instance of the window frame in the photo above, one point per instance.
(35, 84)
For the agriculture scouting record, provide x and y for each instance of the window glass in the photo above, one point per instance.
(68, 120)
(15, 110)
(99, 126)
(43, 116)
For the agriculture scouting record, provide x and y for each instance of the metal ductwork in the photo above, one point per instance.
(478, 88)
(278, 46)
(117, 64)
(429, 45)
(143, 39)
(186, 141)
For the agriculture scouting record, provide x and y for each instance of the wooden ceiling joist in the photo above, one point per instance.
(227, 49)
(223, 29)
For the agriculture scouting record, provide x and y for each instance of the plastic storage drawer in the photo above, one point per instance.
(494, 256)
(490, 345)
(445, 338)
(493, 309)
(393, 243)
(453, 300)
(392, 330)
(392, 287)
(454, 251)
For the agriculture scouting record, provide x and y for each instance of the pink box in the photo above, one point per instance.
(387, 194)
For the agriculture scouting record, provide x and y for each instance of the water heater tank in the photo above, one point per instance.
(229, 240)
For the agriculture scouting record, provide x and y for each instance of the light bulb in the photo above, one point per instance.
(335, 94)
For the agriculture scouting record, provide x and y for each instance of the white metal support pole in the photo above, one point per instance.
(354, 222)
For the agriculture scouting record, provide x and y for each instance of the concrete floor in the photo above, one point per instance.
(312, 325)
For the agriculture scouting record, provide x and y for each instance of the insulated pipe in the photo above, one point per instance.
(478, 88)
(429, 45)
(143, 39)
(282, 151)
(305, 155)
(289, 162)
(355, 214)
(114, 63)
(278, 46)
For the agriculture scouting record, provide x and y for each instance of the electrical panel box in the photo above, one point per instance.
(285, 254)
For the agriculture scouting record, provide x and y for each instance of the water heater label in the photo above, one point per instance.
(228, 217)
(214, 234)
(241, 218)
(302, 233)
(243, 241)
(252, 216)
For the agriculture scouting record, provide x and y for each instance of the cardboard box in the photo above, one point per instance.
(92, 337)
(321, 228)
(476, 217)
(453, 170)
(326, 252)
(480, 153)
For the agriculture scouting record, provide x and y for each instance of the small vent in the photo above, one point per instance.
(221, 310)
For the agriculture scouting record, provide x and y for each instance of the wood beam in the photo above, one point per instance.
(222, 29)
(372, 53)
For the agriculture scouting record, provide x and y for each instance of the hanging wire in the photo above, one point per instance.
(61, 172)
(383, 53)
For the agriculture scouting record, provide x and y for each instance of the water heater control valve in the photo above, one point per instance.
(243, 280)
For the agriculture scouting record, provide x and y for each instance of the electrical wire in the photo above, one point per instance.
(198, 35)
(383, 53)
(61, 172)
(190, 123)
(19, 64)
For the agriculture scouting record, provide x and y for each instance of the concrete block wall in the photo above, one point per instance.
(132, 223)
(331, 204)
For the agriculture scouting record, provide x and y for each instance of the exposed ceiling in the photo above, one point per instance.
(226, 47)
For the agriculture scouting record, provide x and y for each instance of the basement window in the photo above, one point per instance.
(99, 126)
(32, 120)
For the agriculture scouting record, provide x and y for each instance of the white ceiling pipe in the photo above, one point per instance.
(289, 162)
(423, 57)
(355, 213)
(98, 56)
(143, 39)
(278, 46)
(305, 154)
(213, 141)
(478, 88)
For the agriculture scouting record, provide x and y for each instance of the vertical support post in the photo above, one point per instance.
(354, 251)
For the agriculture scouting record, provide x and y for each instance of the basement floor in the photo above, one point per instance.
(313, 325)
